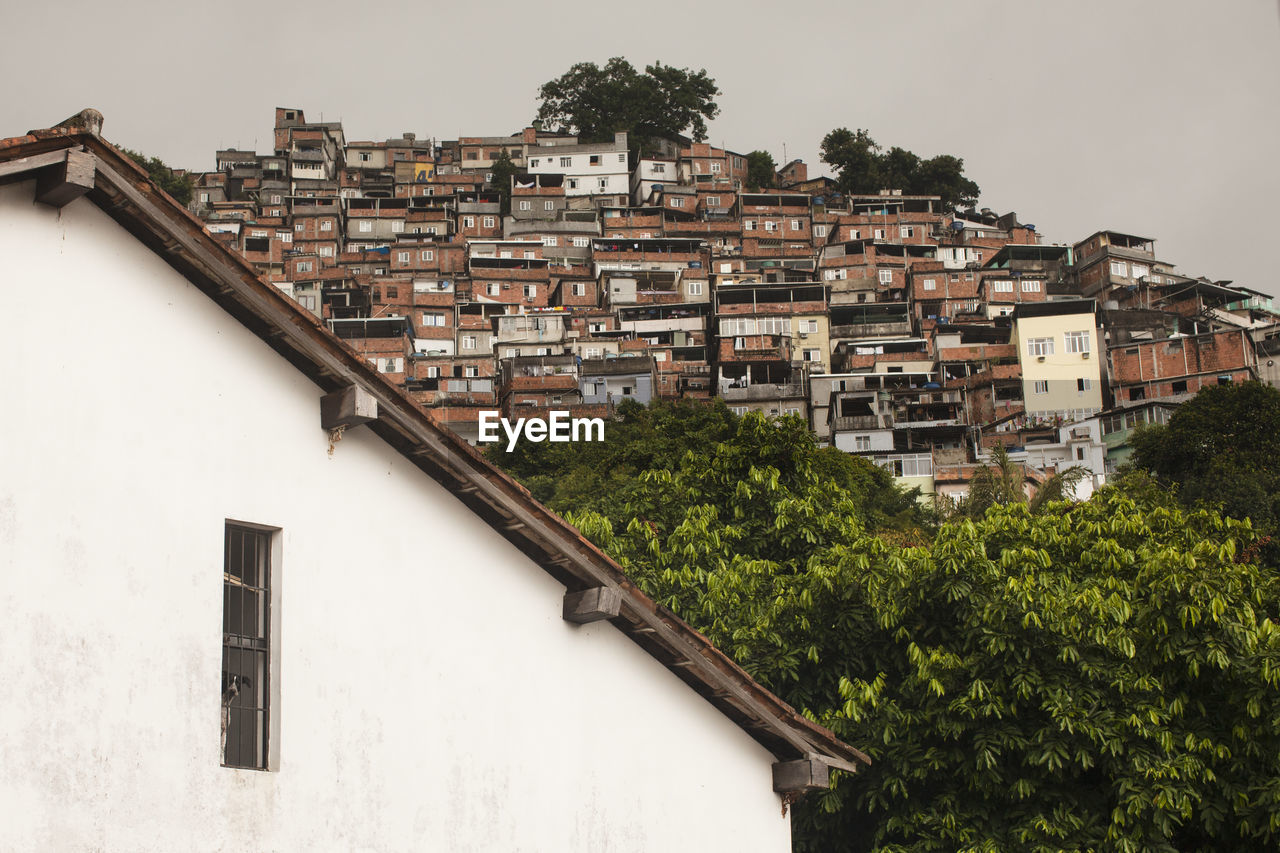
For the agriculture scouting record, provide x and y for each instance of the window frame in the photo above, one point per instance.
(258, 695)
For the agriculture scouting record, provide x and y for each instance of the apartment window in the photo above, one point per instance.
(1040, 346)
(493, 288)
(581, 242)
(770, 225)
(298, 226)
(878, 234)
(428, 255)
(402, 257)
(488, 222)
(548, 205)
(433, 319)
(748, 225)
(603, 183)
(677, 202)
(595, 160)
(304, 266)
(284, 236)
(326, 224)
(1002, 286)
(530, 291)
(862, 442)
(1119, 268)
(433, 372)
(573, 183)
(813, 355)
(470, 371)
(550, 241)
(1077, 341)
(204, 197)
(469, 342)
(695, 288)
(905, 231)
(468, 222)
(930, 284)
(391, 365)
(365, 226)
(1030, 287)
(795, 225)
(526, 205)
(1139, 270)
(886, 276)
(1179, 387)
(713, 201)
(246, 646)
(533, 164)
(1084, 383)
(715, 167)
(578, 288)
(819, 230)
(833, 275)
(566, 162)
(1040, 386)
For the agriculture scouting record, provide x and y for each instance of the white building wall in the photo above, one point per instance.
(430, 695)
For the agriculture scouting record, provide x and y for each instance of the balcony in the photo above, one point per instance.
(767, 391)
(856, 423)
(871, 330)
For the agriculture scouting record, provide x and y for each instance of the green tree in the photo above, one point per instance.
(1220, 447)
(856, 156)
(1102, 678)
(865, 168)
(762, 172)
(1003, 482)
(178, 186)
(503, 169)
(662, 103)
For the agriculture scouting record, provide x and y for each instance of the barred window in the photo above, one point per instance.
(246, 652)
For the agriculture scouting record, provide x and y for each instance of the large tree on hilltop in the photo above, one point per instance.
(865, 168)
(596, 103)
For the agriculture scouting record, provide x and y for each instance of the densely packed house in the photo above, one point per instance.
(913, 334)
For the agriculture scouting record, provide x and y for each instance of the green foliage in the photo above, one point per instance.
(180, 187)
(1220, 447)
(762, 172)
(663, 102)
(1003, 482)
(501, 173)
(865, 168)
(1105, 676)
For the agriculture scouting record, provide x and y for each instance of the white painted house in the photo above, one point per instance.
(255, 600)
(598, 168)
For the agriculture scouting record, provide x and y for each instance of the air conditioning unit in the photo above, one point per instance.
(1084, 355)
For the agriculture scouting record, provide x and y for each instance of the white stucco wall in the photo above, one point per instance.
(430, 695)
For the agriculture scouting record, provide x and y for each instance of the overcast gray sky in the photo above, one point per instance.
(1160, 118)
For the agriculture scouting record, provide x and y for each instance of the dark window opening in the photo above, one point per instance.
(1179, 387)
(246, 604)
(1137, 393)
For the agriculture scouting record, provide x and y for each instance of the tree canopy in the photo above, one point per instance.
(663, 102)
(762, 172)
(1222, 447)
(866, 168)
(178, 186)
(1102, 675)
(501, 172)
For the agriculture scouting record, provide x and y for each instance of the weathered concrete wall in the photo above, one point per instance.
(430, 695)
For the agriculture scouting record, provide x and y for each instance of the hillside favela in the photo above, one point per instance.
(535, 272)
